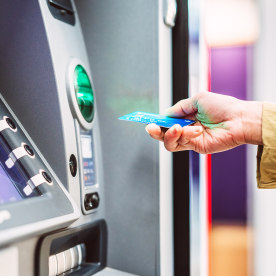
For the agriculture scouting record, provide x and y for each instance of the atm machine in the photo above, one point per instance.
(50, 139)
(82, 191)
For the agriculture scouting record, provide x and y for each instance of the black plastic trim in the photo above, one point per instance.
(62, 12)
(62, 4)
(181, 176)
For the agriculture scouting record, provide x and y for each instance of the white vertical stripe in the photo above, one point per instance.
(264, 200)
(165, 157)
(203, 85)
(204, 252)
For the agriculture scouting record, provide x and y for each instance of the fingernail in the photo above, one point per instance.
(146, 129)
(199, 129)
(174, 129)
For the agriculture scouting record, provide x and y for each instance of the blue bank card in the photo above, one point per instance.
(160, 120)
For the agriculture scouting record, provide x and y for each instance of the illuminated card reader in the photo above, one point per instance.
(32, 200)
(82, 102)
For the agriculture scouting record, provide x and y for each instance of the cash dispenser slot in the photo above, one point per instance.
(76, 252)
(67, 260)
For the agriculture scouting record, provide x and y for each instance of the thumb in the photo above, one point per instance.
(182, 108)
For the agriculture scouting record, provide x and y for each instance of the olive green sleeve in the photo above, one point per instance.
(266, 155)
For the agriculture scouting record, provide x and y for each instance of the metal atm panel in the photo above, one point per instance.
(129, 49)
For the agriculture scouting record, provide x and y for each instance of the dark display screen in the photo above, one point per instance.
(88, 158)
(12, 182)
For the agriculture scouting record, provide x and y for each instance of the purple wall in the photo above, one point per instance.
(229, 193)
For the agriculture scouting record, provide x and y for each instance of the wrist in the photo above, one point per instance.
(252, 122)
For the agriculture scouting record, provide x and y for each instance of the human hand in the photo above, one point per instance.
(222, 123)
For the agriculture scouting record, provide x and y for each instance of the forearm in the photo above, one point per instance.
(252, 122)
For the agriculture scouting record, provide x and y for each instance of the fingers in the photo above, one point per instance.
(177, 138)
(155, 132)
(189, 133)
(171, 137)
(183, 108)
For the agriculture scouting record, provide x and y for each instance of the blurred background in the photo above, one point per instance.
(232, 52)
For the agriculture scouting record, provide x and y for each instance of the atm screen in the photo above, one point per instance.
(12, 182)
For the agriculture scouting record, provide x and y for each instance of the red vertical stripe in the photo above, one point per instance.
(209, 158)
(209, 191)
(209, 175)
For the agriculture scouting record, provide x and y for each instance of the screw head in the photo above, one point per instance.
(47, 177)
(11, 123)
(29, 150)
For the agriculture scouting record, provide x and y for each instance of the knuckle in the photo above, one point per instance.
(182, 101)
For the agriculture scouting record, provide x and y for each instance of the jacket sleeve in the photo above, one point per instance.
(266, 155)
